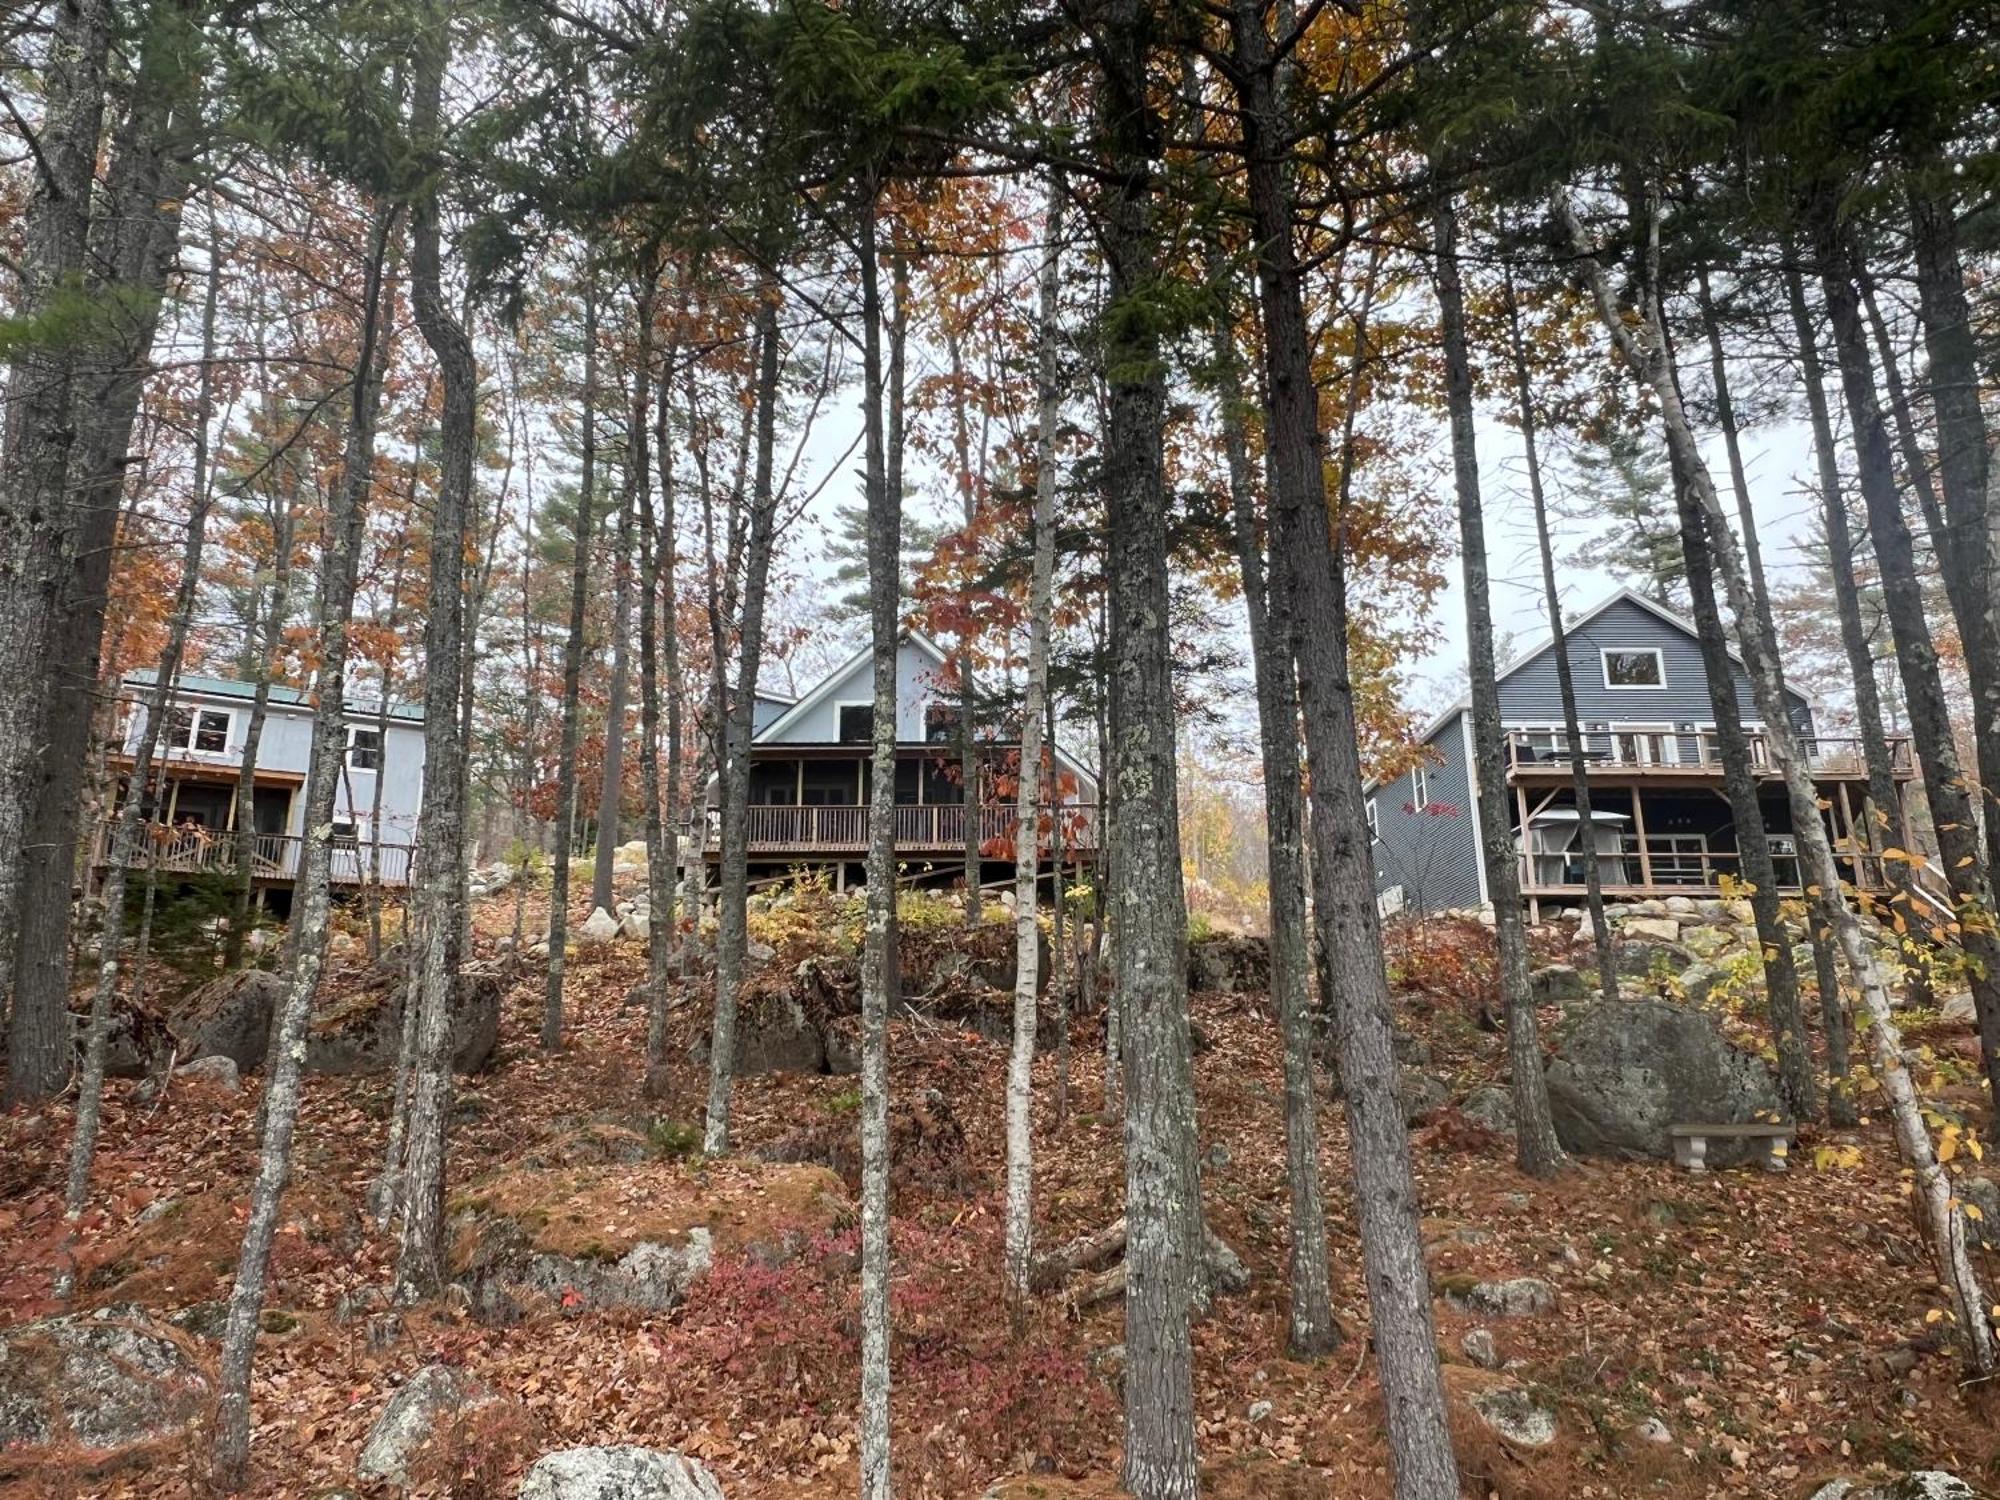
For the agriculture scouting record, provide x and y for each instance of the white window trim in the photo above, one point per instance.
(381, 748)
(1420, 787)
(1374, 816)
(1604, 655)
(194, 711)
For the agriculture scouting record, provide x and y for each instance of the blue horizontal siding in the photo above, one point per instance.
(1433, 856)
(1532, 695)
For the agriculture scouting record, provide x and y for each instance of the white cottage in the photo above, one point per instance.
(200, 758)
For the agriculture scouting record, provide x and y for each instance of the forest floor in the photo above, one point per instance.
(1778, 1326)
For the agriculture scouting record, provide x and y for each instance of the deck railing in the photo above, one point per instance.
(1669, 752)
(273, 856)
(843, 828)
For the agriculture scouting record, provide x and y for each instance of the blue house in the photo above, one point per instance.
(1660, 817)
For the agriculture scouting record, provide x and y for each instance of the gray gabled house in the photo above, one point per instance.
(811, 777)
(1661, 822)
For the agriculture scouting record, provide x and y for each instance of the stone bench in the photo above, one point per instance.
(1691, 1143)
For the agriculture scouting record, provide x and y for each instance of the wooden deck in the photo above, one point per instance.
(938, 828)
(274, 857)
(1663, 756)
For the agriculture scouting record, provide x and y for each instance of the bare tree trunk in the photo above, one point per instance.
(40, 520)
(610, 791)
(737, 715)
(1638, 340)
(1593, 875)
(230, 1446)
(657, 554)
(1753, 847)
(1953, 817)
(879, 959)
(579, 596)
(971, 863)
(1311, 1328)
(439, 914)
(271, 633)
(1969, 552)
(1027, 805)
(1536, 1150)
(1146, 902)
(132, 813)
(1883, 797)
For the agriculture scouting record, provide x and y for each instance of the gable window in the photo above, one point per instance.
(1420, 788)
(1374, 821)
(1634, 667)
(204, 730)
(857, 723)
(364, 749)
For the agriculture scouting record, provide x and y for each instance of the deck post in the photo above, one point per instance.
(1855, 842)
(1639, 830)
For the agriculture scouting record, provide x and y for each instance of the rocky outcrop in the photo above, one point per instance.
(229, 1017)
(619, 1472)
(1496, 1407)
(1232, 963)
(103, 1380)
(1919, 1484)
(416, 1421)
(1515, 1297)
(359, 1033)
(1631, 1069)
(628, 1236)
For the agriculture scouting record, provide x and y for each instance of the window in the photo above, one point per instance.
(1374, 821)
(204, 730)
(1636, 667)
(364, 749)
(1420, 788)
(941, 722)
(857, 723)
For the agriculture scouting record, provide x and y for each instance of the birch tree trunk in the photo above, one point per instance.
(1027, 807)
(1638, 341)
(1536, 1150)
(439, 913)
(1579, 771)
(579, 596)
(736, 712)
(230, 1445)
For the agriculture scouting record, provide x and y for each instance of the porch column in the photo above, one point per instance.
(1524, 859)
(1639, 831)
